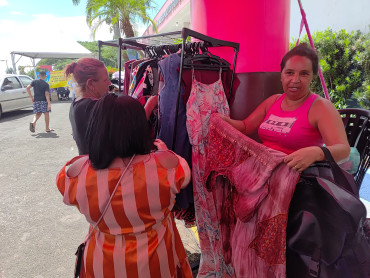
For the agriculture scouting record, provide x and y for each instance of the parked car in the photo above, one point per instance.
(13, 93)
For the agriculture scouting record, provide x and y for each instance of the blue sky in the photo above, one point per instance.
(23, 11)
(62, 8)
(59, 20)
(21, 21)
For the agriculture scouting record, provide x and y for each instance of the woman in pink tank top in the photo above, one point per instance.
(298, 122)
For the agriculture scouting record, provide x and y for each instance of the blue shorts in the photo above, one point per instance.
(40, 107)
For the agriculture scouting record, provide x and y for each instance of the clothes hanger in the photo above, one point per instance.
(205, 60)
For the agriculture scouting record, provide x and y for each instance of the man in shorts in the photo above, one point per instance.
(40, 100)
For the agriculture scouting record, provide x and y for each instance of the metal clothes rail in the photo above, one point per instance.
(170, 39)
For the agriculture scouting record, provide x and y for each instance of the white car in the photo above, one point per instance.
(13, 93)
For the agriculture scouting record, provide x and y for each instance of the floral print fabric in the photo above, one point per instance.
(204, 100)
(248, 191)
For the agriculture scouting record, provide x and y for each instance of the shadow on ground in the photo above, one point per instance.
(51, 134)
(14, 115)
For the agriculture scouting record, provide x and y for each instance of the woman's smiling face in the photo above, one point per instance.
(296, 77)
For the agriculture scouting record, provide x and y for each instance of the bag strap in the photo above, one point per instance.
(109, 201)
(314, 264)
(337, 172)
(348, 202)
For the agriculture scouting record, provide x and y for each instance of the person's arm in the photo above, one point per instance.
(29, 92)
(254, 120)
(150, 104)
(47, 95)
(325, 117)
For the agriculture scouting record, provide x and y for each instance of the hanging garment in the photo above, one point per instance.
(167, 111)
(138, 93)
(204, 100)
(146, 78)
(146, 68)
(207, 77)
(247, 190)
(137, 236)
(126, 80)
(136, 74)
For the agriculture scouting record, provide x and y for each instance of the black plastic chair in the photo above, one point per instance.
(357, 124)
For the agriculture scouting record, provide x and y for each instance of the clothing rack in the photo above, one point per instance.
(211, 42)
(167, 42)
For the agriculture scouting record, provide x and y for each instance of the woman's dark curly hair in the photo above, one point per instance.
(302, 50)
(117, 128)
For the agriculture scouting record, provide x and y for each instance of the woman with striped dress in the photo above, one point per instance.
(137, 235)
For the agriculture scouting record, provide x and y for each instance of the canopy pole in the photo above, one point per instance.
(34, 66)
(13, 63)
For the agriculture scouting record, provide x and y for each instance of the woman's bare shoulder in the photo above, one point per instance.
(268, 102)
(76, 167)
(167, 158)
(322, 105)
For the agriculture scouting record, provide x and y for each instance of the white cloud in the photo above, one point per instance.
(3, 3)
(17, 13)
(18, 35)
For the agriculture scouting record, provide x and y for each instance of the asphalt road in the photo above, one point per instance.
(38, 233)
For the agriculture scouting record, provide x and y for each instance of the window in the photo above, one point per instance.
(25, 80)
(13, 81)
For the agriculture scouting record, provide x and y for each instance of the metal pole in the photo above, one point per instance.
(119, 65)
(99, 47)
(13, 63)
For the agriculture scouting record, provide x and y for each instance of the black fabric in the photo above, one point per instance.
(142, 69)
(39, 89)
(341, 177)
(325, 234)
(79, 115)
(79, 258)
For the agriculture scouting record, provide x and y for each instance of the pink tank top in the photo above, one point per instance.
(288, 131)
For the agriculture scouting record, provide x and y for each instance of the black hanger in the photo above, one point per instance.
(205, 60)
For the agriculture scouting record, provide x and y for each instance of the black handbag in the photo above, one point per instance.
(325, 235)
(79, 256)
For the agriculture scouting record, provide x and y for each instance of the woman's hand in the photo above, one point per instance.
(161, 146)
(302, 158)
(223, 117)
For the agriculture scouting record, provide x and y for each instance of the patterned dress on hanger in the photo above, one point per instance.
(204, 100)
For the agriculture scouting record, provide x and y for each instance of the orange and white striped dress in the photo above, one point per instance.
(137, 236)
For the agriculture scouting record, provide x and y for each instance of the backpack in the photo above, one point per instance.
(325, 234)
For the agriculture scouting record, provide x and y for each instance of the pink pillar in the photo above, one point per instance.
(260, 26)
(262, 29)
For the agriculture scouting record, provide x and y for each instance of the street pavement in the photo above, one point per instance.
(38, 233)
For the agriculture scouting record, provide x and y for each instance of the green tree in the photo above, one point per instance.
(119, 14)
(363, 58)
(108, 56)
(108, 53)
(9, 71)
(344, 58)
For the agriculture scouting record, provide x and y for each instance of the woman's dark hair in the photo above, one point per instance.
(305, 51)
(117, 128)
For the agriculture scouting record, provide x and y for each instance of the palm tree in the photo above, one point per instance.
(119, 14)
